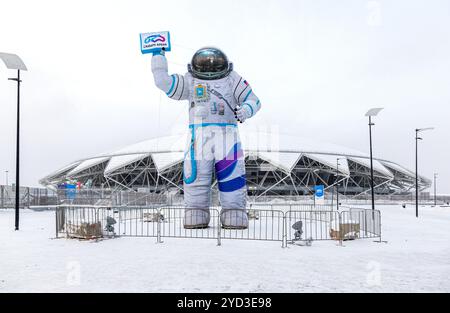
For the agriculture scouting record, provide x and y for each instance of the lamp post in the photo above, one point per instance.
(337, 183)
(14, 62)
(435, 198)
(315, 184)
(6, 176)
(418, 130)
(370, 113)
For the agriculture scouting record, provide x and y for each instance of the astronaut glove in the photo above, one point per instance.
(243, 112)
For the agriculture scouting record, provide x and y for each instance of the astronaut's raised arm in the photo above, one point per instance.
(175, 86)
(244, 95)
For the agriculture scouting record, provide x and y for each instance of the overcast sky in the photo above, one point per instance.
(317, 67)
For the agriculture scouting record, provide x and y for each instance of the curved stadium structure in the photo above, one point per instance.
(276, 165)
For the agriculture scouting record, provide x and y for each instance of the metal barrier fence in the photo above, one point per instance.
(88, 222)
(369, 221)
(32, 197)
(315, 225)
(362, 199)
(286, 225)
(28, 197)
(291, 206)
(171, 225)
(108, 197)
(267, 225)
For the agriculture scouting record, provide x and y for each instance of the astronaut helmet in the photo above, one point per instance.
(210, 63)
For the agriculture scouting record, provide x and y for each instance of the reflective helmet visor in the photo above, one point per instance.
(210, 63)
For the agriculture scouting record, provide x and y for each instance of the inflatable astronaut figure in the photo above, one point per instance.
(218, 100)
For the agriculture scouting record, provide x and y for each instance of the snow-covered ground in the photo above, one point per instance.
(416, 258)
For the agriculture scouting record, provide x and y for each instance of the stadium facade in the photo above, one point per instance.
(276, 165)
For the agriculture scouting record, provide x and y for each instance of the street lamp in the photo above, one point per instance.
(6, 176)
(370, 113)
(14, 62)
(337, 183)
(418, 130)
(435, 199)
(315, 184)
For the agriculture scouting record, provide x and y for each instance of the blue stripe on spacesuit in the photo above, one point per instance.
(211, 124)
(232, 185)
(246, 97)
(176, 88)
(226, 172)
(193, 177)
(173, 85)
(225, 167)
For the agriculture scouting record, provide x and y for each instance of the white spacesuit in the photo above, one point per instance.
(218, 99)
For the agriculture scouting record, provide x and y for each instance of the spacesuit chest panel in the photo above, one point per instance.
(212, 101)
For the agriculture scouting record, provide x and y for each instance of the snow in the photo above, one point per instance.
(117, 162)
(414, 259)
(87, 164)
(286, 161)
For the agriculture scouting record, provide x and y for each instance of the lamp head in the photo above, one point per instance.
(424, 129)
(373, 112)
(12, 61)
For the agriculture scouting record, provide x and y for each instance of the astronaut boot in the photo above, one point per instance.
(196, 218)
(234, 219)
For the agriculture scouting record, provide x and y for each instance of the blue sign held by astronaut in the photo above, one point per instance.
(155, 42)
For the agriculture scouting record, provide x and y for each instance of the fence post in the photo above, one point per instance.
(379, 223)
(219, 229)
(365, 223)
(28, 196)
(56, 221)
(284, 231)
(2, 200)
(158, 226)
(373, 221)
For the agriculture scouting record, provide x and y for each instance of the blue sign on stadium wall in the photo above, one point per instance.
(319, 194)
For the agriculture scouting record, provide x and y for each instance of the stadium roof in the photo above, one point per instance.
(281, 150)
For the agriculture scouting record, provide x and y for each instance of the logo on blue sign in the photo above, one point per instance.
(319, 191)
(154, 38)
(71, 191)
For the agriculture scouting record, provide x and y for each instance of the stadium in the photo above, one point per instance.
(278, 165)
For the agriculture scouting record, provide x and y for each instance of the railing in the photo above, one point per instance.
(369, 221)
(291, 206)
(42, 198)
(28, 197)
(171, 225)
(288, 224)
(264, 224)
(316, 225)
